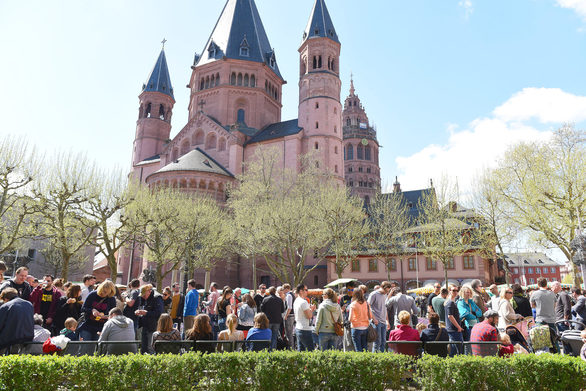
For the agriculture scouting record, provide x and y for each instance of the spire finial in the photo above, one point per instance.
(351, 83)
(163, 42)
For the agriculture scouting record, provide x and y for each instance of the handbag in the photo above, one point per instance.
(372, 334)
(338, 328)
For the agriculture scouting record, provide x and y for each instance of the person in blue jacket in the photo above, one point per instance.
(260, 332)
(469, 311)
(190, 306)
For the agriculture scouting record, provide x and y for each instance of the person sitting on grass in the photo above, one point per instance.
(69, 330)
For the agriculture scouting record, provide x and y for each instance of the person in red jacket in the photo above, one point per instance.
(44, 299)
(404, 332)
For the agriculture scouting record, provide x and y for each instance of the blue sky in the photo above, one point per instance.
(448, 84)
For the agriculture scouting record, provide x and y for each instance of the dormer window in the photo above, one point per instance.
(316, 31)
(212, 50)
(272, 63)
(244, 51)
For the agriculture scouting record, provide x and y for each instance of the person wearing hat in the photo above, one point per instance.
(485, 331)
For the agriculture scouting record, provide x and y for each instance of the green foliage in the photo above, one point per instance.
(327, 371)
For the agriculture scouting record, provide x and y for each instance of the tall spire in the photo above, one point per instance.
(352, 84)
(239, 34)
(320, 24)
(159, 80)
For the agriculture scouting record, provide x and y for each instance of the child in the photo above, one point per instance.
(420, 327)
(69, 330)
(506, 349)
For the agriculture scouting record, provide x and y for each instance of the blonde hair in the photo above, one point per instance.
(465, 288)
(70, 322)
(144, 288)
(231, 322)
(420, 327)
(106, 289)
(329, 292)
(404, 317)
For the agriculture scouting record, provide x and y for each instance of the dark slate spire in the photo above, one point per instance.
(239, 34)
(320, 24)
(159, 80)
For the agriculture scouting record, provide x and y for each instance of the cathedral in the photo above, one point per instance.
(235, 108)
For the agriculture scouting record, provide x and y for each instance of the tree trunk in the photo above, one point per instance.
(113, 267)
(206, 280)
(65, 266)
(254, 285)
(446, 275)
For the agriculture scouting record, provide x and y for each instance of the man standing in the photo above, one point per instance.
(150, 308)
(131, 303)
(436, 291)
(16, 319)
(19, 283)
(580, 307)
(544, 301)
(303, 314)
(453, 321)
(45, 298)
(563, 306)
(260, 295)
(289, 314)
(236, 300)
(377, 300)
(438, 305)
(88, 283)
(483, 332)
(190, 306)
(273, 307)
(177, 304)
(400, 302)
(211, 308)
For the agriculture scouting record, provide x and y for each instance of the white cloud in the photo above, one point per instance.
(468, 7)
(481, 143)
(578, 6)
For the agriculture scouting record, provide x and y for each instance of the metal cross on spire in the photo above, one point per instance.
(163, 42)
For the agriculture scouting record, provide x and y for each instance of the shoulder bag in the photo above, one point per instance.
(372, 334)
(338, 327)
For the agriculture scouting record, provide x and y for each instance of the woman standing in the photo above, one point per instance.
(246, 314)
(522, 305)
(469, 311)
(224, 308)
(507, 315)
(328, 312)
(69, 306)
(359, 317)
(95, 309)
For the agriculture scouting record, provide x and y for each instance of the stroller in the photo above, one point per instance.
(519, 333)
(570, 338)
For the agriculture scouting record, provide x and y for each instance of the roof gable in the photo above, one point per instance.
(276, 130)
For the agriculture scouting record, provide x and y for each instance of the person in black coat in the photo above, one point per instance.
(16, 319)
(522, 307)
(273, 307)
(150, 308)
(69, 306)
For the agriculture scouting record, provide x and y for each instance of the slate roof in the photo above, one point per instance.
(239, 26)
(320, 24)
(411, 198)
(196, 160)
(150, 160)
(276, 130)
(530, 259)
(159, 80)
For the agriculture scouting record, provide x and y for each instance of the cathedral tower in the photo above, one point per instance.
(154, 115)
(236, 79)
(361, 167)
(320, 111)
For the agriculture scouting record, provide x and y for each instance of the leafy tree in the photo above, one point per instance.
(544, 186)
(389, 220)
(53, 261)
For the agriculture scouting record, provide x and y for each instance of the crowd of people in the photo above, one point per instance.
(356, 319)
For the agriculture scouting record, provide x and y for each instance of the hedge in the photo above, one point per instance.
(290, 371)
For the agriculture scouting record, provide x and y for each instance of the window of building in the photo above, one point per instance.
(531, 281)
(552, 270)
(356, 265)
(537, 270)
(335, 110)
(316, 146)
(360, 152)
(233, 79)
(529, 270)
(431, 264)
(336, 168)
(451, 264)
(317, 125)
(335, 127)
(468, 262)
(359, 169)
(351, 184)
(412, 264)
(240, 116)
(359, 183)
(239, 79)
(373, 265)
(349, 169)
(367, 153)
(348, 122)
(515, 270)
(317, 105)
(392, 265)
(350, 152)
(368, 170)
(244, 51)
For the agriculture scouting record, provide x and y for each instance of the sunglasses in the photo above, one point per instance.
(455, 290)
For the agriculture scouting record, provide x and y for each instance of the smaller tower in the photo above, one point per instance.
(153, 126)
(361, 166)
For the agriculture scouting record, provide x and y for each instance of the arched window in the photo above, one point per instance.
(333, 66)
(359, 152)
(161, 112)
(185, 147)
(319, 62)
(367, 153)
(350, 152)
(202, 83)
(317, 105)
(222, 144)
(211, 141)
(316, 125)
(252, 81)
(239, 79)
(241, 116)
(199, 137)
(147, 113)
(233, 79)
(314, 62)
(348, 122)
(217, 79)
(316, 146)
(207, 82)
(246, 80)
(213, 81)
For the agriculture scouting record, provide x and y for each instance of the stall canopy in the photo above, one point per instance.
(340, 281)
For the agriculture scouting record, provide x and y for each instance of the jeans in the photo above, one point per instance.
(214, 323)
(221, 324)
(275, 330)
(455, 348)
(327, 340)
(359, 339)
(87, 335)
(379, 344)
(304, 340)
(146, 339)
(289, 327)
(466, 338)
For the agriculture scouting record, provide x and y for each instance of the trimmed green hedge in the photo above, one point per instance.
(290, 371)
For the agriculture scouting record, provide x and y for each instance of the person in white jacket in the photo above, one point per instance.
(118, 328)
(507, 315)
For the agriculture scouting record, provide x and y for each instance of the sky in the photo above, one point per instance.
(448, 84)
